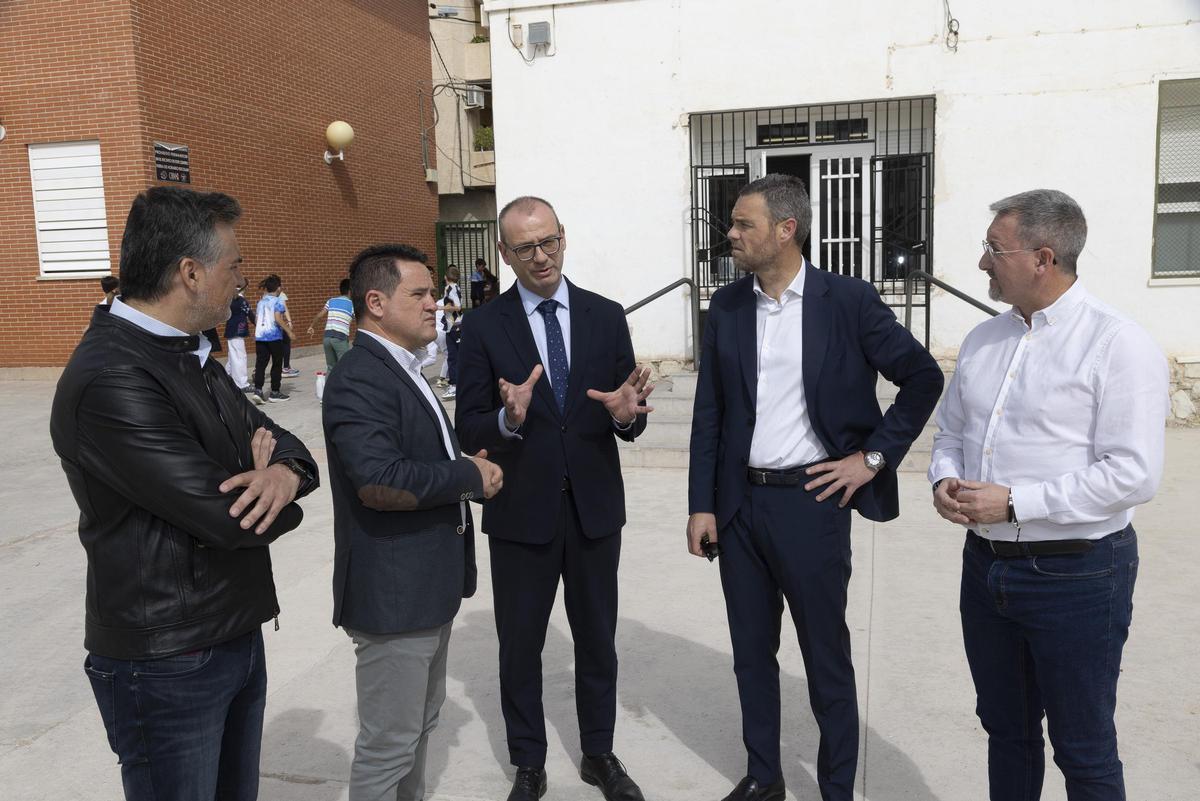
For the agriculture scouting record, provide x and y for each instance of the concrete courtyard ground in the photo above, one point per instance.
(678, 720)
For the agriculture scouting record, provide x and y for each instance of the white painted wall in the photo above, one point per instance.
(1060, 95)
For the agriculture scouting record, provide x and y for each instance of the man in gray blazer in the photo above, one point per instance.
(404, 554)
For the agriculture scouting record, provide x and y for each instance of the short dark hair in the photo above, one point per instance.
(109, 283)
(271, 283)
(167, 224)
(344, 286)
(375, 268)
(786, 198)
(479, 262)
(522, 202)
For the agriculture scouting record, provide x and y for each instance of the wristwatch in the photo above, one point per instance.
(299, 468)
(874, 460)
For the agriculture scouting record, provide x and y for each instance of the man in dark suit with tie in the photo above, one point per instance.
(787, 437)
(561, 512)
(404, 554)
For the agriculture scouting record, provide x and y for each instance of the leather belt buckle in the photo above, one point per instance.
(757, 477)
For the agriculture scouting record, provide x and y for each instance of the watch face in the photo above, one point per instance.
(874, 460)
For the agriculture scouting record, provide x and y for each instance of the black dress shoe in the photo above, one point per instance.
(606, 772)
(749, 789)
(528, 785)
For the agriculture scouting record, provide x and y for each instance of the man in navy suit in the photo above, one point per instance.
(787, 437)
(404, 551)
(546, 383)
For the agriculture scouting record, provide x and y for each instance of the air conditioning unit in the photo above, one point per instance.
(474, 97)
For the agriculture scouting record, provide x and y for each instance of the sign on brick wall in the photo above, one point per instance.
(171, 163)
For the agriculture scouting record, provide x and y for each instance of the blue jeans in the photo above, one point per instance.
(1043, 637)
(186, 727)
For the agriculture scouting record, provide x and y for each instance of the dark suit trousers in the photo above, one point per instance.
(784, 545)
(524, 583)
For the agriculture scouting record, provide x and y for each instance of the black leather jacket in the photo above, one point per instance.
(146, 436)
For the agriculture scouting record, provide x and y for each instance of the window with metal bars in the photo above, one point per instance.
(1177, 195)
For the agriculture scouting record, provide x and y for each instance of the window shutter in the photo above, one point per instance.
(68, 204)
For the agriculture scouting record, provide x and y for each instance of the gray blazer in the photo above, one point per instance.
(403, 561)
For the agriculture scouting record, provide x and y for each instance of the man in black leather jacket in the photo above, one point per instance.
(181, 485)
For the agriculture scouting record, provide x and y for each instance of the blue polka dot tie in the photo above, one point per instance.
(556, 350)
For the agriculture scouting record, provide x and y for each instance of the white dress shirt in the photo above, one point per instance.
(1068, 412)
(411, 364)
(157, 327)
(783, 434)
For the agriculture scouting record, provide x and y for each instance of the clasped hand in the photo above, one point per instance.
(966, 502)
(490, 472)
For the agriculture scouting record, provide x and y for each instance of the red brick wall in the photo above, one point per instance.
(66, 74)
(249, 87)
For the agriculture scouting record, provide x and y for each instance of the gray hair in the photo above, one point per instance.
(786, 199)
(1047, 218)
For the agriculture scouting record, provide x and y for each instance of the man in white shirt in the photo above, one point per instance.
(1051, 432)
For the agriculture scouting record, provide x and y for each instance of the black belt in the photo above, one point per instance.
(763, 477)
(1007, 550)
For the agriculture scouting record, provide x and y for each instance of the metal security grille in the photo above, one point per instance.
(460, 243)
(868, 167)
(841, 233)
(1177, 207)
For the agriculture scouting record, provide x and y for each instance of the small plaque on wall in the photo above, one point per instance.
(171, 163)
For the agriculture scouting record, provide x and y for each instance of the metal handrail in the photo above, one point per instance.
(911, 279)
(695, 303)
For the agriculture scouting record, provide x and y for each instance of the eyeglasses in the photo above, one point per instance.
(549, 246)
(993, 253)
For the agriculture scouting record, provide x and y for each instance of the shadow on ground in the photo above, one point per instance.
(689, 688)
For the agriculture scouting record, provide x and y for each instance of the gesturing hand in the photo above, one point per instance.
(490, 472)
(623, 402)
(516, 397)
(849, 474)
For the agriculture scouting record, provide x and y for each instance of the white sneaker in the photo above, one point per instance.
(449, 393)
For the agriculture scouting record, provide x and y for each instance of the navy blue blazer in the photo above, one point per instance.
(579, 444)
(849, 337)
(402, 560)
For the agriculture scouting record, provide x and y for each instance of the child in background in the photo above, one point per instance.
(271, 323)
(237, 328)
(339, 313)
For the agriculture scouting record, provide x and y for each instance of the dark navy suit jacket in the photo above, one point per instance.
(402, 561)
(579, 444)
(849, 337)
